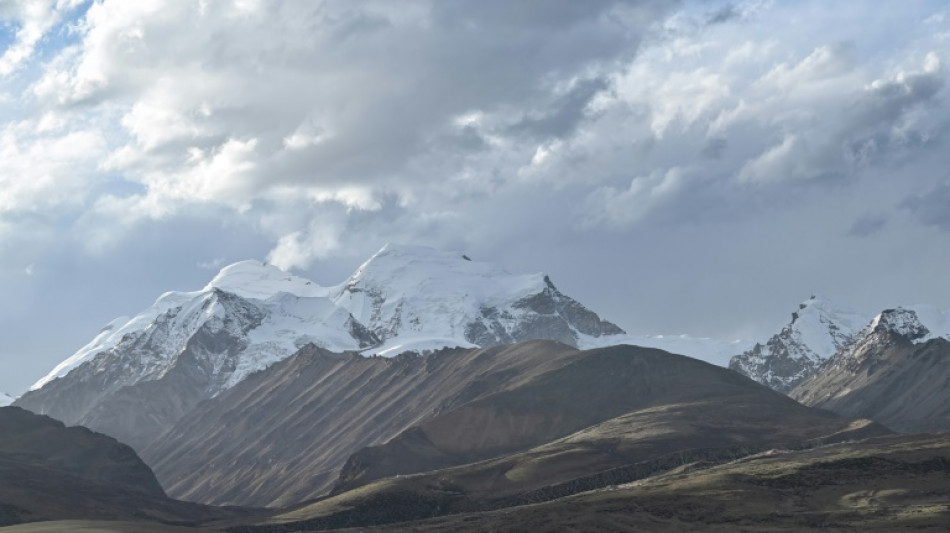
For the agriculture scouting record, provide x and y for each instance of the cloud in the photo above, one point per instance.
(725, 13)
(315, 124)
(300, 248)
(645, 193)
(640, 134)
(33, 20)
(868, 225)
(932, 208)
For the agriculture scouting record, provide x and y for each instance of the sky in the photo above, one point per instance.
(689, 167)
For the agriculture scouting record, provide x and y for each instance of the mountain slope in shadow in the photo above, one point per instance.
(52, 472)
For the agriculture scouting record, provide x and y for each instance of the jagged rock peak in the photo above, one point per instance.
(901, 321)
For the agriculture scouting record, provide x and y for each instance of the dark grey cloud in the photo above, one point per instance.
(725, 13)
(868, 225)
(564, 115)
(931, 208)
(714, 148)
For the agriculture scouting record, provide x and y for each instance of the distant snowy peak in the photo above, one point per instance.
(821, 332)
(818, 329)
(417, 292)
(916, 324)
(6, 399)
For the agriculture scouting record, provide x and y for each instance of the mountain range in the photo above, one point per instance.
(139, 376)
(892, 367)
(428, 386)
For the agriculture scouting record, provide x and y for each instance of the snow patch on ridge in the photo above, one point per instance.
(421, 345)
(713, 351)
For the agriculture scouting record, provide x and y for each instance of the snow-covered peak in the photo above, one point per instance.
(824, 326)
(420, 292)
(6, 399)
(254, 279)
(403, 268)
(269, 289)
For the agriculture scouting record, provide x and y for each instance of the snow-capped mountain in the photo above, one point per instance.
(818, 329)
(139, 375)
(5, 399)
(255, 313)
(421, 296)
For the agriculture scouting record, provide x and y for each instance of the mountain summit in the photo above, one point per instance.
(818, 329)
(138, 376)
(412, 294)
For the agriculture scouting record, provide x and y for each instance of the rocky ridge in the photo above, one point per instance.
(895, 372)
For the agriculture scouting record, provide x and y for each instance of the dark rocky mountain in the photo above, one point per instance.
(51, 472)
(324, 413)
(888, 375)
(817, 330)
